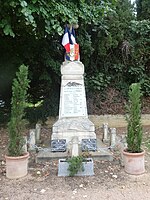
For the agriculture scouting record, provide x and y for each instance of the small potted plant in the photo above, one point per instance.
(16, 159)
(80, 165)
(134, 155)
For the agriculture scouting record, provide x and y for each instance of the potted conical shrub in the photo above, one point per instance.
(134, 155)
(16, 159)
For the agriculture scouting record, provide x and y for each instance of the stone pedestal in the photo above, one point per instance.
(73, 132)
(73, 119)
(67, 128)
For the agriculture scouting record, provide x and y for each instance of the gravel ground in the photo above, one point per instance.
(109, 182)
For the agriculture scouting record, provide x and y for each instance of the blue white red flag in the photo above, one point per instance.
(68, 38)
(72, 36)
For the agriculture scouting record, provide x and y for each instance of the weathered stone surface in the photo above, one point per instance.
(102, 153)
(72, 99)
(32, 139)
(38, 132)
(75, 146)
(72, 68)
(73, 119)
(73, 124)
(113, 137)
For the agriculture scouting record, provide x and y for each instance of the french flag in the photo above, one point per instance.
(68, 38)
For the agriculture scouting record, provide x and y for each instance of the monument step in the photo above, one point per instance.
(45, 156)
(102, 153)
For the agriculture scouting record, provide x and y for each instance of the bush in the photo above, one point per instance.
(18, 103)
(134, 129)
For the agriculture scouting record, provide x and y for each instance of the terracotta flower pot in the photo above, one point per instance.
(134, 162)
(17, 167)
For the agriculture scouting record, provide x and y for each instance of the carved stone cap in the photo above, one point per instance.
(72, 68)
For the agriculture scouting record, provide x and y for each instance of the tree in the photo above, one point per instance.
(143, 9)
(108, 47)
(18, 104)
(43, 17)
(30, 33)
(114, 46)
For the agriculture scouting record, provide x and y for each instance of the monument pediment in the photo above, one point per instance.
(72, 68)
(73, 124)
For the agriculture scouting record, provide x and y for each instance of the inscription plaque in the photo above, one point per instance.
(58, 145)
(88, 145)
(73, 104)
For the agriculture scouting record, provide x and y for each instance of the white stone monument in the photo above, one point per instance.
(73, 118)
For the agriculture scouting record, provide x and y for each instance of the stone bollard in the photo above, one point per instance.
(75, 147)
(38, 132)
(24, 148)
(32, 139)
(122, 144)
(113, 137)
(105, 133)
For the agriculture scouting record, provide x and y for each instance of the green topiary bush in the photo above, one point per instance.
(133, 117)
(18, 104)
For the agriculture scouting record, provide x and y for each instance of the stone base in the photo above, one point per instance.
(102, 153)
(88, 167)
(68, 128)
(68, 136)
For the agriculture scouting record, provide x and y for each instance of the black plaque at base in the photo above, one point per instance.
(58, 145)
(88, 145)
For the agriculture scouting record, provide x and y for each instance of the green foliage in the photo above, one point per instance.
(106, 54)
(45, 17)
(114, 46)
(134, 129)
(49, 107)
(98, 81)
(18, 104)
(145, 84)
(75, 164)
(143, 9)
(140, 55)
